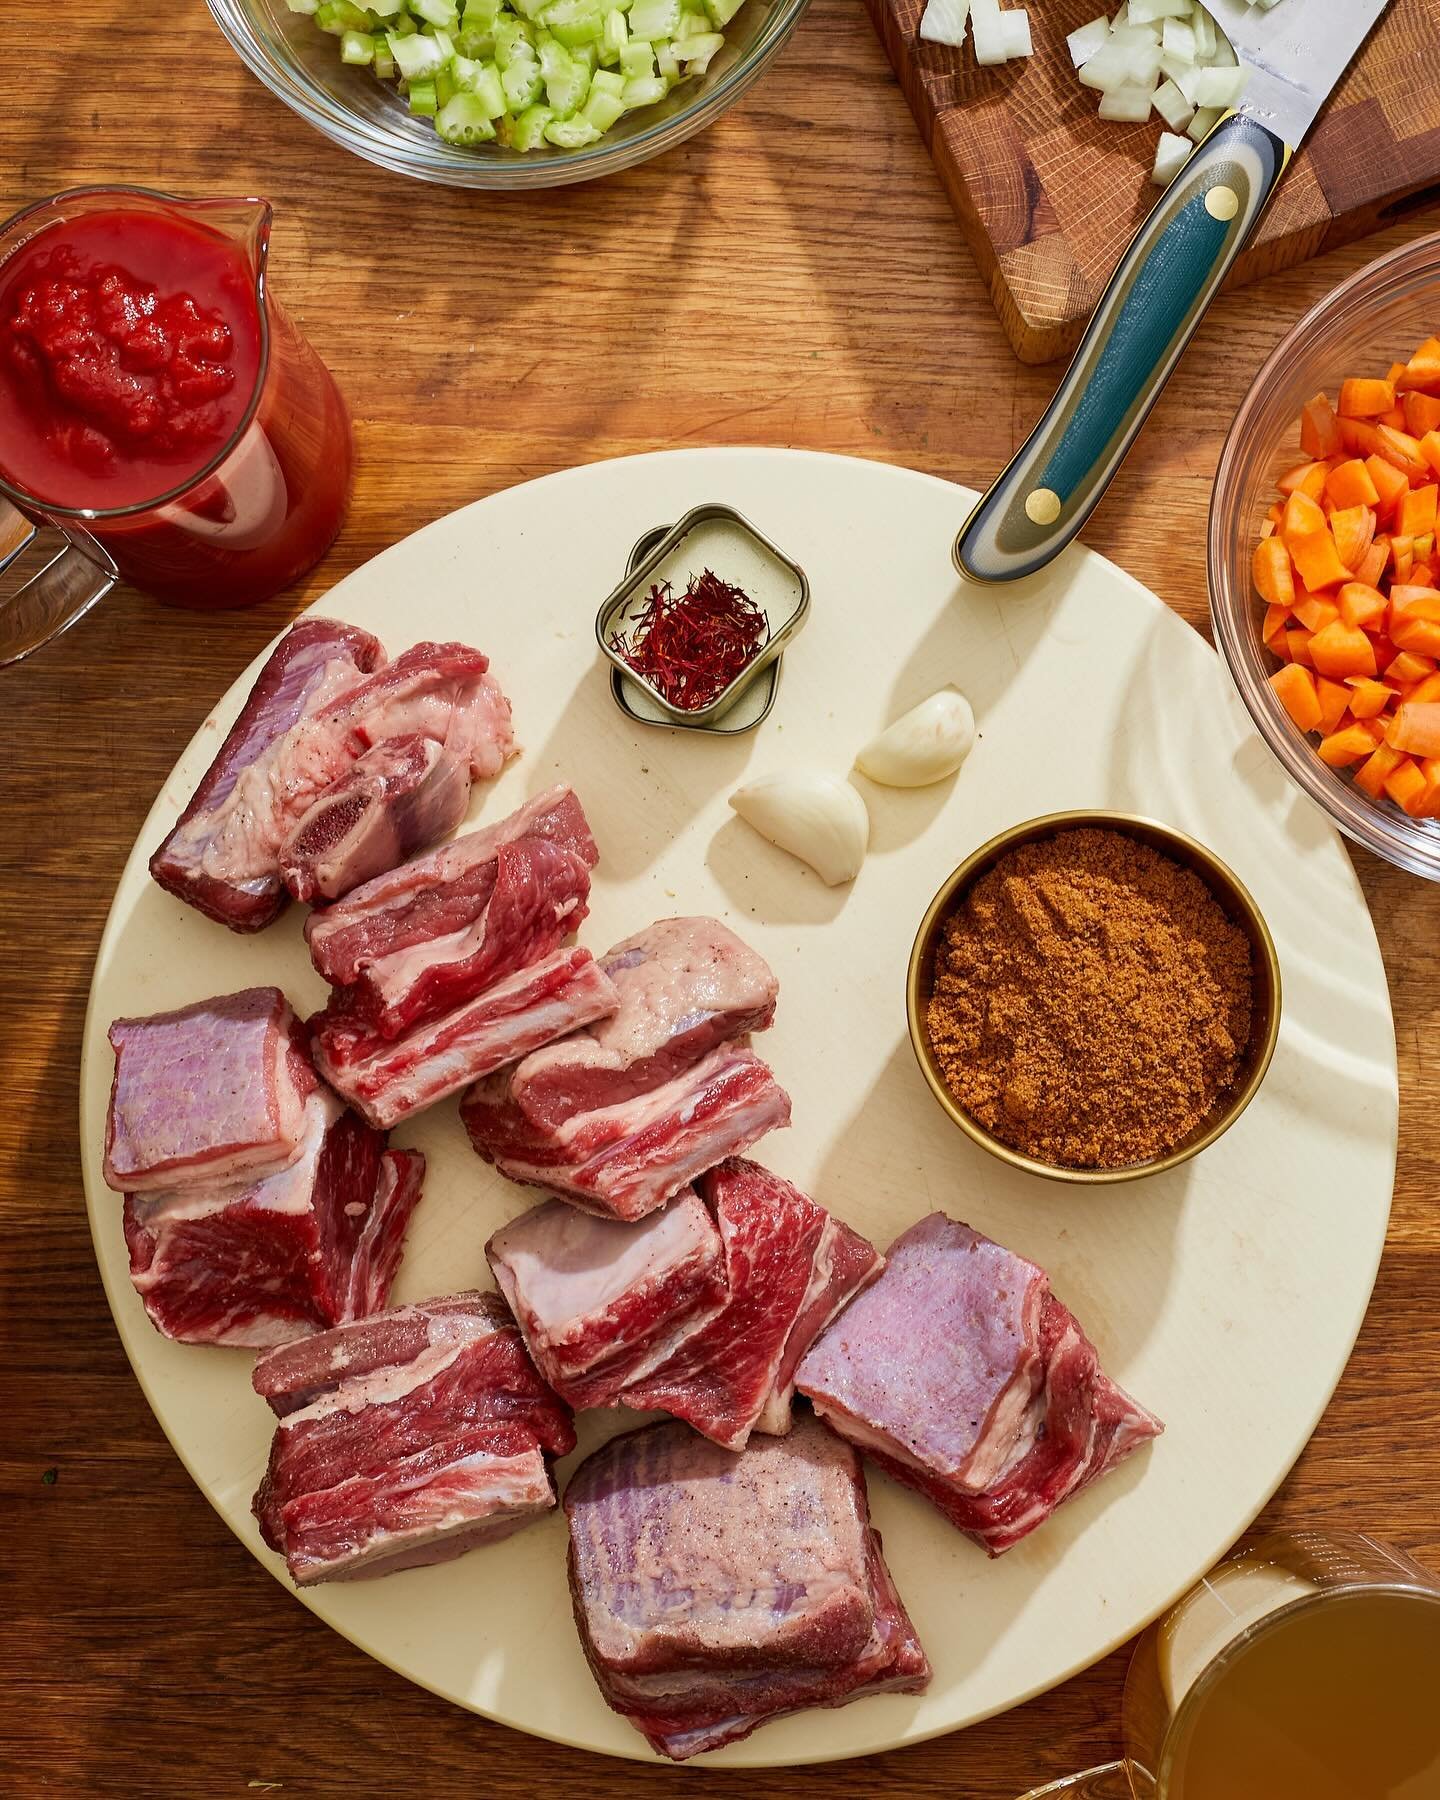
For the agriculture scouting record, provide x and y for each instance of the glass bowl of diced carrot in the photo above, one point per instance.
(1324, 555)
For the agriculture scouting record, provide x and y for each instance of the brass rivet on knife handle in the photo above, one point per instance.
(1144, 319)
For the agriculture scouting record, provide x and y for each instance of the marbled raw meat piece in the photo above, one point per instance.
(966, 1379)
(406, 1439)
(715, 1591)
(510, 1018)
(211, 1092)
(260, 1261)
(626, 1160)
(685, 986)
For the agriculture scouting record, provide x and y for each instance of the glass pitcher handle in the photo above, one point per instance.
(1111, 1782)
(50, 576)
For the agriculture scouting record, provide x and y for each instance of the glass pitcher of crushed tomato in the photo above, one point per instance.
(161, 420)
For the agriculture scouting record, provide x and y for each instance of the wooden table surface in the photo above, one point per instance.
(792, 277)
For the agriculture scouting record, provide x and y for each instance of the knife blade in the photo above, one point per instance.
(1296, 51)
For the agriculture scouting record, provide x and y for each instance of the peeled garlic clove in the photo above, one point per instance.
(818, 817)
(923, 745)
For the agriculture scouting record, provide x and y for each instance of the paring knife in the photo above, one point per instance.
(1296, 52)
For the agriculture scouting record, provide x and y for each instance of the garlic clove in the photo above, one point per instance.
(814, 815)
(923, 745)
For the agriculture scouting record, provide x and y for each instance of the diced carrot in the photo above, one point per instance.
(1337, 650)
(1395, 371)
(1297, 647)
(1390, 483)
(1351, 744)
(1276, 619)
(1319, 433)
(1406, 785)
(1372, 564)
(1422, 414)
(1413, 601)
(1316, 559)
(1360, 604)
(1402, 558)
(1334, 698)
(1295, 689)
(1304, 478)
(1409, 666)
(1358, 437)
(1370, 776)
(1423, 369)
(1353, 529)
(1351, 484)
(1385, 653)
(1399, 448)
(1419, 635)
(1315, 612)
(1364, 399)
(1395, 417)
(1274, 577)
(1301, 517)
(1368, 697)
(1416, 728)
(1427, 691)
(1417, 514)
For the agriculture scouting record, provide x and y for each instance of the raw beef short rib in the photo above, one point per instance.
(415, 944)
(262, 1261)
(685, 986)
(702, 1309)
(295, 743)
(210, 1092)
(602, 1302)
(405, 1439)
(315, 660)
(626, 1160)
(966, 1379)
(564, 990)
(715, 1591)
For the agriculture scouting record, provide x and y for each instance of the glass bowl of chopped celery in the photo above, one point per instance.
(507, 93)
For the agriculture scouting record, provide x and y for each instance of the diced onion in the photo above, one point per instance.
(1205, 120)
(944, 22)
(1171, 156)
(1082, 44)
(1172, 106)
(1128, 105)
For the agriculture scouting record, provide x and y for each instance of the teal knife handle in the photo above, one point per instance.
(1144, 319)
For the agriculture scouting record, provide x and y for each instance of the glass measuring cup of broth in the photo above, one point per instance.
(161, 420)
(1306, 1667)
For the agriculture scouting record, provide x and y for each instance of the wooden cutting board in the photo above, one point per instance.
(1048, 195)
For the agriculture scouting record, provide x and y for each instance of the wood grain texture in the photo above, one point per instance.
(792, 277)
(1048, 194)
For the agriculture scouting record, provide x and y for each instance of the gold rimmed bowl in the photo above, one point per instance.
(1230, 895)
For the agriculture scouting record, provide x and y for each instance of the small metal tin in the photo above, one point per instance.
(747, 701)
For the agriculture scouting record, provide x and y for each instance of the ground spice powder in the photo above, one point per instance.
(1090, 1001)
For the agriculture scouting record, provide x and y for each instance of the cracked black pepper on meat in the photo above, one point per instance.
(1091, 1000)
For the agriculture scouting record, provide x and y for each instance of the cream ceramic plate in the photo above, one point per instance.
(1226, 1294)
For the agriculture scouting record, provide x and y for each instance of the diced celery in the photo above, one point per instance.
(654, 18)
(476, 44)
(695, 52)
(416, 57)
(514, 40)
(436, 12)
(605, 81)
(339, 16)
(529, 131)
(554, 57)
(665, 62)
(691, 24)
(488, 90)
(481, 15)
(308, 7)
(384, 63)
(384, 9)
(637, 60)
(446, 86)
(464, 120)
(357, 47)
(421, 95)
(530, 9)
(617, 33)
(644, 90)
(522, 85)
(574, 22)
(602, 109)
(402, 25)
(722, 11)
(443, 39)
(571, 134)
(566, 83)
(586, 57)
